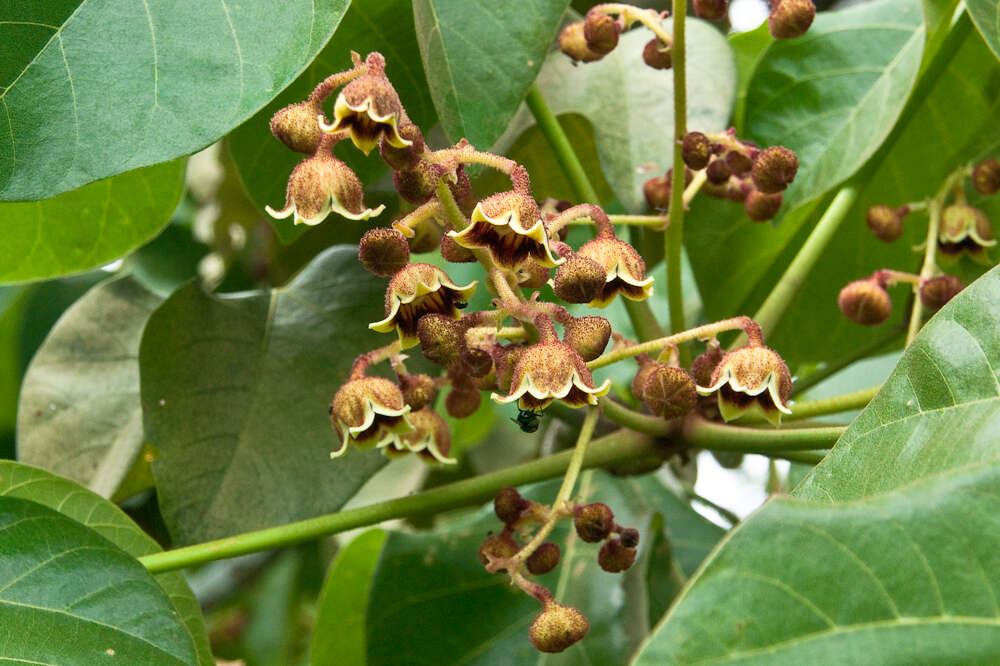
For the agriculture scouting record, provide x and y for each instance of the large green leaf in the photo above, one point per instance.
(107, 520)
(627, 102)
(88, 227)
(833, 95)
(235, 391)
(385, 26)
(889, 551)
(79, 413)
(480, 57)
(93, 89)
(986, 15)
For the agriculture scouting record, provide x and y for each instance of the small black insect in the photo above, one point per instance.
(461, 305)
(527, 420)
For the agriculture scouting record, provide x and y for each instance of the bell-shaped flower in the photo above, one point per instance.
(369, 412)
(320, 185)
(509, 226)
(430, 438)
(751, 378)
(415, 291)
(965, 228)
(625, 270)
(369, 109)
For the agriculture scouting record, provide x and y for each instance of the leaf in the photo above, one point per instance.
(88, 227)
(889, 547)
(107, 520)
(235, 391)
(481, 57)
(626, 102)
(386, 27)
(91, 90)
(833, 95)
(343, 603)
(748, 49)
(937, 21)
(986, 15)
(79, 414)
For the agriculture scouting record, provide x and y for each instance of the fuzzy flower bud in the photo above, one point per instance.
(751, 378)
(790, 18)
(368, 412)
(657, 193)
(454, 253)
(657, 55)
(774, 169)
(557, 627)
(865, 302)
(704, 364)
(696, 150)
(761, 207)
(588, 335)
(938, 290)
(710, 10)
(966, 229)
(320, 185)
(668, 392)
(405, 157)
(462, 401)
(442, 339)
(593, 522)
(508, 505)
(629, 537)
(738, 162)
(579, 280)
(383, 252)
(573, 43)
(885, 222)
(986, 177)
(533, 275)
(544, 559)
(615, 557)
(416, 185)
(601, 33)
(498, 547)
(297, 126)
(477, 362)
(418, 390)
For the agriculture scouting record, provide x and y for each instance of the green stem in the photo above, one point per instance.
(704, 434)
(620, 446)
(675, 232)
(808, 457)
(644, 423)
(833, 367)
(839, 403)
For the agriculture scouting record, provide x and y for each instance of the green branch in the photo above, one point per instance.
(675, 232)
(808, 409)
(704, 434)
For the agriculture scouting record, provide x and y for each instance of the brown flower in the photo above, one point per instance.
(748, 378)
(965, 228)
(320, 185)
(509, 226)
(624, 268)
(415, 291)
(368, 412)
(430, 438)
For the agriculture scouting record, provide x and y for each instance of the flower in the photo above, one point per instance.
(624, 268)
(370, 412)
(965, 228)
(369, 109)
(510, 227)
(430, 438)
(552, 370)
(749, 378)
(415, 291)
(319, 185)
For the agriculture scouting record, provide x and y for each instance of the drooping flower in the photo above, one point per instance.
(624, 268)
(320, 185)
(415, 291)
(430, 438)
(510, 227)
(965, 228)
(751, 378)
(368, 412)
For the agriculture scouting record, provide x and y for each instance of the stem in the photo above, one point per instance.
(839, 403)
(808, 457)
(405, 224)
(706, 331)
(644, 423)
(704, 434)
(926, 270)
(469, 155)
(675, 232)
(655, 221)
(617, 447)
(834, 367)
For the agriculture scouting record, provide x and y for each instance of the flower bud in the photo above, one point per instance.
(477, 362)
(588, 335)
(761, 207)
(418, 184)
(696, 150)
(455, 253)
(986, 177)
(738, 162)
(573, 43)
(668, 392)
(938, 290)
(790, 18)
(774, 168)
(320, 185)
(705, 363)
(418, 390)
(710, 10)
(508, 505)
(601, 32)
(646, 366)
(532, 275)
(369, 109)
(383, 252)
(505, 358)
(544, 559)
(629, 537)
(657, 55)
(498, 547)
(593, 522)
(427, 237)
(462, 401)
(885, 222)
(718, 172)
(297, 126)
(557, 627)
(579, 280)
(614, 557)
(405, 157)
(442, 338)
(657, 193)
(865, 302)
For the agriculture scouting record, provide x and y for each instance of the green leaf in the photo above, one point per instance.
(88, 227)
(386, 27)
(889, 548)
(748, 49)
(91, 90)
(481, 57)
(235, 391)
(626, 102)
(986, 15)
(85, 508)
(833, 95)
(343, 603)
(79, 414)
(937, 21)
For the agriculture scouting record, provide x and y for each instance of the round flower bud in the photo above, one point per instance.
(865, 302)
(579, 280)
(532, 275)
(476, 361)
(646, 366)
(657, 193)
(383, 252)
(462, 402)
(774, 169)
(696, 150)
(416, 185)
(442, 338)
(498, 547)
(738, 162)
(790, 18)
(657, 55)
(418, 390)
(508, 505)
(593, 522)
(601, 32)
(761, 207)
(703, 366)
(405, 157)
(588, 335)
(544, 559)
(557, 627)
(573, 43)
(668, 392)
(455, 253)
(505, 358)
(615, 557)
(885, 222)
(938, 290)
(710, 10)
(986, 177)
(427, 237)
(629, 537)
(297, 126)
(717, 172)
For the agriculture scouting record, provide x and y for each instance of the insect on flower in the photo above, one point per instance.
(527, 420)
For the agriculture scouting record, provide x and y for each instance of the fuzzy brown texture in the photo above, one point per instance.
(477, 362)
(774, 169)
(579, 280)
(383, 252)
(986, 177)
(601, 33)
(668, 392)
(498, 547)
(532, 275)
(429, 427)
(350, 407)
(405, 157)
(405, 283)
(619, 260)
(297, 126)
(508, 244)
(938, 290)
(593, 522)
(965, 228)
(588, 335)
(462, 401)
(629, 537)
(573, 43)
(316, 180)
(865, 302)
(710, 10)
(657, 55)
(718, 171)
(738, 162)
(790, 18)
(703, 366)
(417, 184)
(646, 366)
(761, 207)
(696, 150)
(657, 193)
(418, 390)
(374, 86)
(615, 557)
(543, 560)
(557, 627)
(505, 359)
(442, 338)
(751, 366)
(508, 505)
(551, 368)
(885, 222)
(454, 253)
